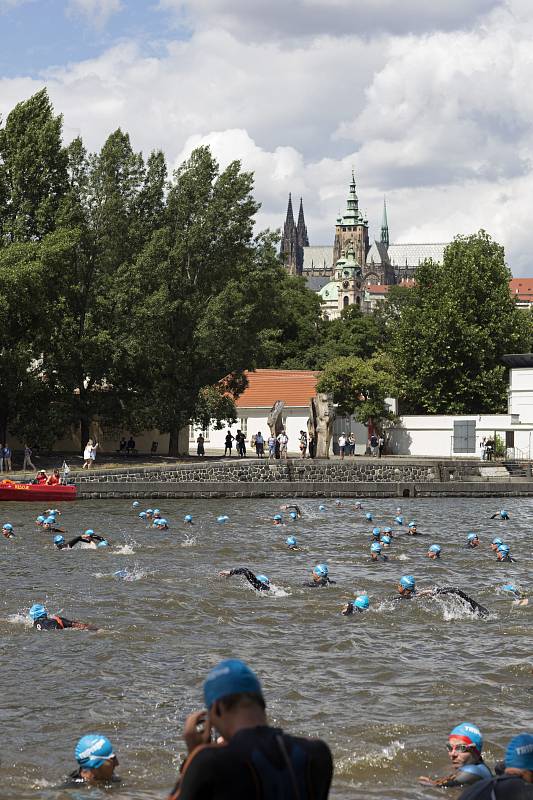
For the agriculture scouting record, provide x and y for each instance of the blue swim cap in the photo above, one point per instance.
(293, 515)
(375, 531)
(135, 504)
(386, 539)
(510, 588)
(321, 507)
(399, 520)
(49, 520)
(7, 526)
(368, 515)
(161, 521)
(519, 753)
(407, 582)
(497, 540)
(103, 543)
(291, 541)
(387, 530)
(321, 570)
(93, 750)
(40, 518)
(504, 513)
(412, 524)
(59, 539)
(156, 511)
(120, 573)
(375, 548)
(435, 548)
(472, 536)
(37, 611)
(230, 677)
(89, 532)
(263, 579)
(187, 518)
(142, 514)
(149, 510)
(470, 733)
(277, 517)
(222, 518)
(503, 548)
(361, 601)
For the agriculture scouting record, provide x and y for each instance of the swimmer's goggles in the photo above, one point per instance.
(460, 748)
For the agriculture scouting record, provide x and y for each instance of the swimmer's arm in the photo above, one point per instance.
(81, 626)
(347, 610)
(75, 541)
(248, 574)
(448, 781)
(96, 538)
(474, 605)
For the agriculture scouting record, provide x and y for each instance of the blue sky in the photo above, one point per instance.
(430, 102)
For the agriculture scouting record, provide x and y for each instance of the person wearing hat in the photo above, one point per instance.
(89, 537)
(516, 782)
(376, 553)
(320, 577)
(259, 582)
(465, 744)
(41, 477)
(472, 540)
(96, 761)
(503, 553)
(255, 761)
(8, 531)
(45, 622)
(357, 606)
(407, 591)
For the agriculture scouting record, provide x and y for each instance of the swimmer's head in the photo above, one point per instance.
(188, 518)
(149, 512)
(222, 518)
(290, 541)
(434, 551)
(407, 584)
(361, 602)
(277, 518)
(142, 514)
(89, 532)
(49, 520)
(40, 519)
(398, 520)
(386, 540)
(156, 512)
(469, 734)
(504, 514)
(135, 504)
(59, 539)
(503, 551)
(387, 530)
(368, 515)
(293, 515)
(519, 753)
(263, 579)
(320, 571)
(376, 532)
(230, 677)
(375, 547)
(93, 751)
(511, 589)
(496, 542)
(321, 507)
(37, 611)
(7, 526)
(472, 537)
(412, 524)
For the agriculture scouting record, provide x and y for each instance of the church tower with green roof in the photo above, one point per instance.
(351, 230)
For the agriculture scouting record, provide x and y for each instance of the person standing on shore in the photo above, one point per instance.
(283, 441)
(303, 443)
(342, 445)
(254, 761)
(228, 443)
(6, 454)
(87, 455)
(200, 446)
(259, 445)
(271, 447)
(27, 459)
(351, 443)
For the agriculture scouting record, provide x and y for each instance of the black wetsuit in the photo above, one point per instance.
(251, 578)
(476, 607)
(54, 623)
(504, 787)
(260, 763)
(75, 779)
(53, 529)
(322, 582)
(87, 540)
(508, 559)
(351, 609)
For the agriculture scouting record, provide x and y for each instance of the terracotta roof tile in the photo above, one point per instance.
(522, 288)
(265, 386)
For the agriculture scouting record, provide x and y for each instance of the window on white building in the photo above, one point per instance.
(195, 432)
(244, 425)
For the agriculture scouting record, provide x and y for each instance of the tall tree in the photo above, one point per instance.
(453, 328)
(197, 298)
(33, 170)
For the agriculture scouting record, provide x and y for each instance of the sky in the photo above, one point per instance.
(429, 102)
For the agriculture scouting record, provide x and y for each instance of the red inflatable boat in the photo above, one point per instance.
(9, 490)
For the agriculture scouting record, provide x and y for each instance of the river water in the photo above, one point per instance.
(383, 688)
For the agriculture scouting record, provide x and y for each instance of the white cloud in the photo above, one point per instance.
(96, 11)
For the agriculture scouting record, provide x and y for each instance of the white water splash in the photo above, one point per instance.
(189, 541)
(124, 549)
(19, 619)
(403, 557)
(375, 758)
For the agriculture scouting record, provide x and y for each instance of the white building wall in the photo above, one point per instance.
(521, 393)
(295, 420)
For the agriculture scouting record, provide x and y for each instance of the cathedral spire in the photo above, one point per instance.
(385, 226)
(301, 228)
(289, 220)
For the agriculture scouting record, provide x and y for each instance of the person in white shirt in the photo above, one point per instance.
(283, 440)
(342, 445)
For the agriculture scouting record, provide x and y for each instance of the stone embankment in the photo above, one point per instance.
(359, 477)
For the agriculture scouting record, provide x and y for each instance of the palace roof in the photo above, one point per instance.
(294, 386)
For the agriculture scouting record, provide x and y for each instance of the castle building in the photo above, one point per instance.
(371, 263)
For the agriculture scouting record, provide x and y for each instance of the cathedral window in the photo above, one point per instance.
(346, 301)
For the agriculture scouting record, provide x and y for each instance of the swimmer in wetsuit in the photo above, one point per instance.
(407, 591)
(503, 553)
(357, 606)
(260, 582)
(89, 537)
(291, 543)
(7, 531)
(496, 543)
(375, 552)
(49, 525)
(292, 508)
(434, 551)
(277, 519)
(320, 577)
(43, 622)
(386, 541)
(96, 760)
(465, 744)
(503, 514)
(518, 597)
(472, 540)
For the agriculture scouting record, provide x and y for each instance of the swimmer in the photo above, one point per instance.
(407, 591)
(277, 519)
(386, 541)
(434, 551)
(40, 520)
(387, 531)
(320, 576)
(503, 514)
(96, 760)
(368, 516)
(398, 520)
(7, 530)
(503, 553)
(291, 543)
(376, 554)
(45, 622)
(260, 582)
(293, 515)
(496, 543)
(465, 744)
(292, 508)
(514, 776)
(357, 606)
(89, 537)
(143, 515)
(160, 524)
(49, 525)
(156, 514)
(52, 512)
(519, 599)
(472, 540)
(358, 505)
(188, 519)
(412, 529)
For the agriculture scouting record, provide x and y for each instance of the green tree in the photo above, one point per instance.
(360, 386)
(33, 170)
(453, 328)
(195, 303)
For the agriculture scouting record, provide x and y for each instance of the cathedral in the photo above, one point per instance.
(354, 270)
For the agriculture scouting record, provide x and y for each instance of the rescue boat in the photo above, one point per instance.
(41, 492)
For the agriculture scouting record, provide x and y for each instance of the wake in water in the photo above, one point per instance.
(351, 765)
(189, 541)
(125, 549)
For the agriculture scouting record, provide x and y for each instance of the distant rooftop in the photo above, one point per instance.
(265, 386)
(412, 255)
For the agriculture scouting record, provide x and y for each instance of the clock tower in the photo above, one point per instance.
(349, 279)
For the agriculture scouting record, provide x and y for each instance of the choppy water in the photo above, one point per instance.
(383, 688)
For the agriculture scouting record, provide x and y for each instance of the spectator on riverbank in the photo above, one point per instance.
(240, 438)
(130, 446)
(259, 445)
(200, 451)
(303, 443)
(342, 445)
(271, 447)
(6, 454)
(122, 444)
(283, 441)
(351, 443)
(254, 757)
(27, 459)
(228, 443)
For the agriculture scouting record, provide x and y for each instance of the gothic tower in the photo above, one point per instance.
(351, 229)
(385, 226)
(294, 240)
